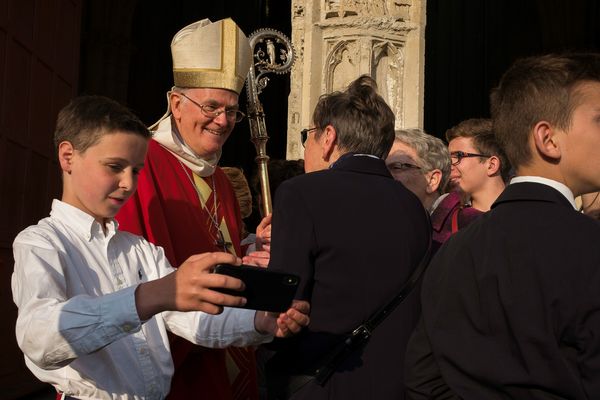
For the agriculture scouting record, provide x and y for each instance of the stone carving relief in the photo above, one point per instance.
(388, 72)
(372, 8)
(342, 66)
(339, 40)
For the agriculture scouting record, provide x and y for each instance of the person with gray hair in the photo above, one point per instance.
(422, 163)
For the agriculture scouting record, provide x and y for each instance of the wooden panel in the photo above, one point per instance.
(12, 186)
(34, 199)
(45, 29)
(63, 92)
(4, 168)
(66, 38)
(3, 13)
(41, 120)
(53, 177)
(39, 68)
(20, 17)
(16, 378)
(3, 38)
(16, 96)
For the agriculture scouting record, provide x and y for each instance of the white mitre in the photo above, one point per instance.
(211, 55)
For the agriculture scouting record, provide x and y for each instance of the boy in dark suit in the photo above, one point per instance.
(511, 306)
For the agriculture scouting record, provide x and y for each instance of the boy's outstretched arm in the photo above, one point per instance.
(190, 288)
(55, 325)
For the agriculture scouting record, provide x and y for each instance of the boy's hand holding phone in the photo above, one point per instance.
(191, 288)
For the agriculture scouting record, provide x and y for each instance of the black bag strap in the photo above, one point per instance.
(362, 333)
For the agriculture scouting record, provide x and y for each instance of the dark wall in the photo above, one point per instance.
(470, 43)
(39, 71)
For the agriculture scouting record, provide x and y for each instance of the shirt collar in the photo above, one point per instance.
(562, 188)
(348, 155)
(83, 223)
(170, 138)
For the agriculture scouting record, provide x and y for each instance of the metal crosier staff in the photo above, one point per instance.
(273, 52)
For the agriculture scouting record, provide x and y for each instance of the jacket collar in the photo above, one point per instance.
(363, 163)
(531, 191)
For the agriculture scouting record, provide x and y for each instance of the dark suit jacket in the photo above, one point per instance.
(511, 305)
(354, 235)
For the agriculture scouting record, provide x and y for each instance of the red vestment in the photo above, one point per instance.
(166, 210)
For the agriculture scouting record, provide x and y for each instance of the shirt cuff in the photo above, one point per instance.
(120, 311)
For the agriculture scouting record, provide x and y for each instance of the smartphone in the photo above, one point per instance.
(265, 290)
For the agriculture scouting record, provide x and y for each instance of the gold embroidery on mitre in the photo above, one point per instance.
(235, 57)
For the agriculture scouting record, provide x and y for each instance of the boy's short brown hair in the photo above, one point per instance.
(86, 119)
(480, 130)
(534, 89)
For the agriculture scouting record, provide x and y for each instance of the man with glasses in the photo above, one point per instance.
(479, 166)
(184, 202)
(422, 163)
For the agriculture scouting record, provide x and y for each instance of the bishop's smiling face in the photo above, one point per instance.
(204, 135)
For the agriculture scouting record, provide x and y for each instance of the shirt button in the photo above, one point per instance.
(126, 327)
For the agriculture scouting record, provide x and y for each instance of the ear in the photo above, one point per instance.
(434, 179)
(493, 166)
(546, 140)
(328, 141)
(175, 102)
(66, 151)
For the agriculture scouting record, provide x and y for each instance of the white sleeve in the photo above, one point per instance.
(53, 329)
(233, 327)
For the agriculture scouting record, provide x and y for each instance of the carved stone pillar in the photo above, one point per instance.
(338, 40)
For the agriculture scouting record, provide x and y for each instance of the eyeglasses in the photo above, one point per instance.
(400, 166)
(457, 156)
(211, 111)
(304, 134)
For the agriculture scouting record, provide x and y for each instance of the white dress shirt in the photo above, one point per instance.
(78, 325)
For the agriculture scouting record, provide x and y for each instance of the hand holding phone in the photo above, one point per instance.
(265, 290)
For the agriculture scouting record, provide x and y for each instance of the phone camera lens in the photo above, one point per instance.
(290, 280)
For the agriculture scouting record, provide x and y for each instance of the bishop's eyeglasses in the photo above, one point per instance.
(457, 156)
(211, 111)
